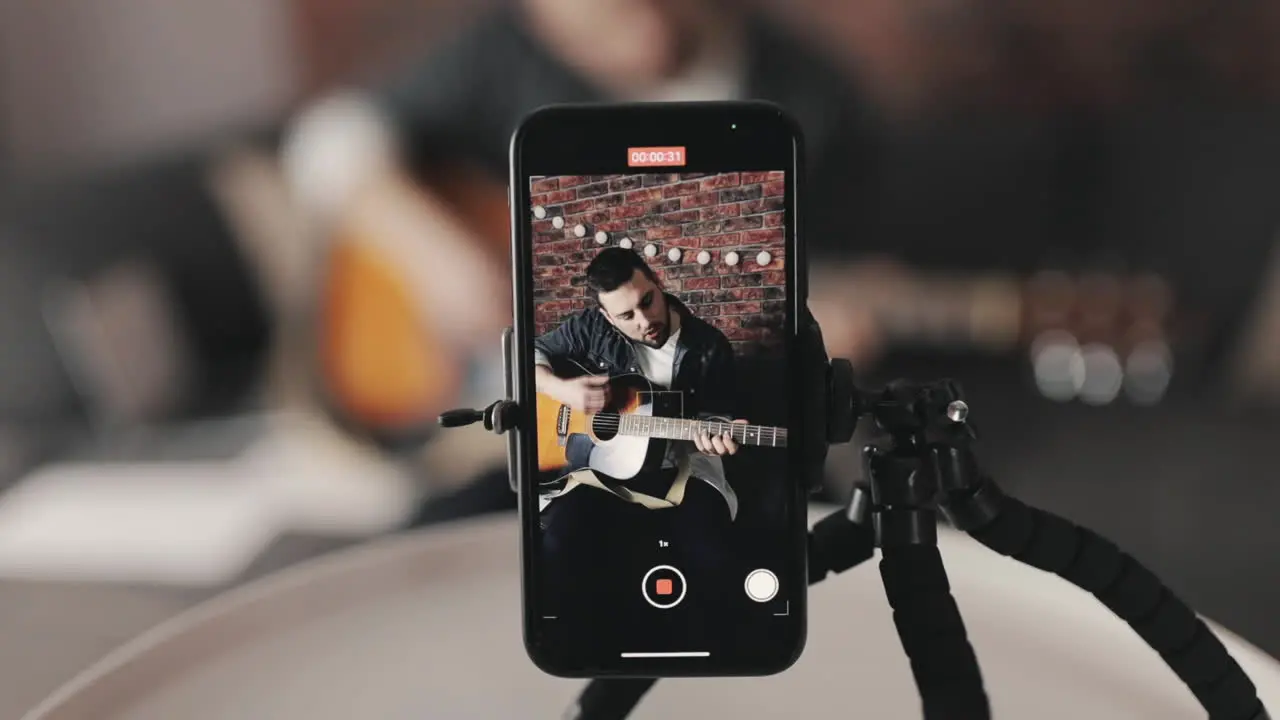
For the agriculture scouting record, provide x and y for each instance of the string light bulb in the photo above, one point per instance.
(764, 258)
(674, 255)
(602, 237)
(557, 222)
(539, 211)
(580, 230)
(650, 250)
(625, 243)
(704, 257)
(731, 258)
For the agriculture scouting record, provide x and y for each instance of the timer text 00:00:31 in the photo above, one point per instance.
(639, 157)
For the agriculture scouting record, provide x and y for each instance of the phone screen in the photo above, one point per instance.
(657, 290)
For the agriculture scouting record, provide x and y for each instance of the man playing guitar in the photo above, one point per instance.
(638, 328)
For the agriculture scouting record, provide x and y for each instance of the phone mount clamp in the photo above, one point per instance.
(923, 465)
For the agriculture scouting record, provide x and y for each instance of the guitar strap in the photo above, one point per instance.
(675, 495)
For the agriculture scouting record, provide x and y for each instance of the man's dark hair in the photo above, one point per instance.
(613, 267)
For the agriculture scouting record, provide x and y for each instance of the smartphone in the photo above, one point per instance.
(657, 284)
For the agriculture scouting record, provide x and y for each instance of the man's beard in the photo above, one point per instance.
(664, 334)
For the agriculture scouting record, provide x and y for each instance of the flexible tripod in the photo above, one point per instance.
(924, 466)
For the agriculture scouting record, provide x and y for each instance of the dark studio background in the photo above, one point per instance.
(1095, 141)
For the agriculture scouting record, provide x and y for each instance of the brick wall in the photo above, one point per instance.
(740, 212)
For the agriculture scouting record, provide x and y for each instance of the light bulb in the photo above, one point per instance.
(539, 211)
(731, 258)
(580, 230)
(650, 250)
(625, 243)
(704, 257)
(763, 258)
(602, 237)
(674, 254)
(557, 222)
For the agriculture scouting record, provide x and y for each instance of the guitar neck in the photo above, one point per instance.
(681, 429)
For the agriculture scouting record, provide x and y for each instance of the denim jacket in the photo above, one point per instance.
(704, 371)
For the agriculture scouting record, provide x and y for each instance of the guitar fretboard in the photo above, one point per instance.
(681, 429)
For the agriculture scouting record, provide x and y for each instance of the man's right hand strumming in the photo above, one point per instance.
(589, 393)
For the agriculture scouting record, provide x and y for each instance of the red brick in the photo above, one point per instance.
(681, 217)
(699, 200)
(579, 206)
(774, 277)
(544, 227)
(738, 294)
(743, 223)
(773, 219)
(545, 185)
(625, 182)
(743, 308)
(557, 197)
(595, 189)
(646, 221)
(646, 195)
(608, 201)
(612, 226)
(717, 212)
(569, 181)
(741, 194)
(562, 246)
(715, 182)
(760, 205)
(777, 175)
(706, 227)
(754, 178)
(656, 179)
(743, 280)
(663, 233)
(706, 311)
(702, 283)
(775, 188)
(762, 237)
(627, 211)
(681, 189)
(727, 240)
(672, 285)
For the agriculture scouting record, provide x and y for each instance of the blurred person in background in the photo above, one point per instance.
(376, 161)
(416, 168)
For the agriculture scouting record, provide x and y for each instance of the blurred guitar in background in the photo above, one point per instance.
(385, 367)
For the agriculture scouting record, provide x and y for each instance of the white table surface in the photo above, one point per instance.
(427, 625)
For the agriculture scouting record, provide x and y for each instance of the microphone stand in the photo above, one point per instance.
(924, 466)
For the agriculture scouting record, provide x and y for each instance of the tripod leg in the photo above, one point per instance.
(609, 699)
(1089, 561)
(933, 633)
(837, 542)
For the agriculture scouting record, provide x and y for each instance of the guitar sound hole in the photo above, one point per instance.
(605, 426)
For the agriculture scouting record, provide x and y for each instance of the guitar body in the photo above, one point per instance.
(381, 369)
(618, 456)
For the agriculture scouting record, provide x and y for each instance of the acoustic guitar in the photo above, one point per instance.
(383, 370)
(631, 434)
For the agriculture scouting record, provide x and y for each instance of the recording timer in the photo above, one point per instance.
(655, 156)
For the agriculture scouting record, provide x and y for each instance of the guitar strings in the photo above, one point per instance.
(613, 422)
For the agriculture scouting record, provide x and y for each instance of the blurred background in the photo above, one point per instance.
(250, 248)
